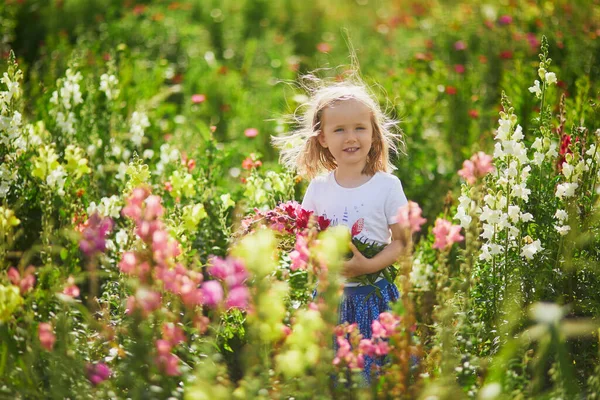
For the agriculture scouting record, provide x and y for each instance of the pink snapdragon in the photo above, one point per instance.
(71, 289)
(46, 335)
(93, 239)
(26, 283)
(478, 166)
(409, 217)
(212, 293)
(97, 373)
(300, 255)
(238, 297)
(145, 300)
(166, 361)
(446, 234)
(173, 334)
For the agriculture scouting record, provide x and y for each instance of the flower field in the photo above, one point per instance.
(153, 247)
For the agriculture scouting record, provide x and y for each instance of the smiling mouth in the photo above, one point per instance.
(351, 149)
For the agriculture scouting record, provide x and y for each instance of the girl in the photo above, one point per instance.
(345, 134)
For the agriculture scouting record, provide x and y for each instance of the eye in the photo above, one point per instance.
(339, 130)
(360, 127)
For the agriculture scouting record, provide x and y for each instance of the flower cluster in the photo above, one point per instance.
(77, 165)
(233, 274)
(347, 336)
(47, 168)
(421, 274)
(501, 213)
(262, 191)
(10, 300)
(8, 221)
(10, 119)
(93, 239)
(65, 99)
(97, 373)
(108, 207)
(24, 283)
(445, 234)
(287, 217)
(139, 122)
(409, 217)
(159, 261)
(109, 85)
(172, 336)
(46, 335)
(478, 166)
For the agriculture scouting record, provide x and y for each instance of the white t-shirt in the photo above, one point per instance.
(367, 210)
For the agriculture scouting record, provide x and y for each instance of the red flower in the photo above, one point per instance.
(451, 90)
(323, 223)
(506, 55)
(474, 114)
(459, 68)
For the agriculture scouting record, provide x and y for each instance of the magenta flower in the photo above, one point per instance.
(26, 283)
(459, 68)
(478, 166)
(505, 20)
(46, 335)
(212, 293)
(446, 234)
(97, 373)
(231, 270)
(409, 217)
(93, 240)
(460, 45)
(167, 362)
(238, 298)
(173, 334)
(145, 300)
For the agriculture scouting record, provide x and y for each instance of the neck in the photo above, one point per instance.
(351, 175)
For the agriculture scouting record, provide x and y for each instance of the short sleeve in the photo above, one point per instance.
(395, 199)
(309, 203)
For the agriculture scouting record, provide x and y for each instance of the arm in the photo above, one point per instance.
(360, 265)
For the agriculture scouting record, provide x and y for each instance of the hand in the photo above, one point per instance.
(356, 265)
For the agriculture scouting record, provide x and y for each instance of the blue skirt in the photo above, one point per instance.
(362, 305)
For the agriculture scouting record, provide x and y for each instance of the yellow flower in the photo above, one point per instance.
(10, 300)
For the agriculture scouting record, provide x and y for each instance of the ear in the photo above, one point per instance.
(321, 139)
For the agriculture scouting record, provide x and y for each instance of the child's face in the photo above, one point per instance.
(347, 132)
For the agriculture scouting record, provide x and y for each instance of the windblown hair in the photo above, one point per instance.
(301, 150)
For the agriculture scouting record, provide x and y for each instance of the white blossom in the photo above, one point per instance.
(529, 250)
(566, 189)
(536, 89)
(563, 230)
(550, 78)
(561, 215)
(108, 85)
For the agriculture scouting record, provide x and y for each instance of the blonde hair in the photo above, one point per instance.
(301, 150)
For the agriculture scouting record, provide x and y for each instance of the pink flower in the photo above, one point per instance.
(238, 298)
(128, 262)
(25, 284)
(366, 347)
(505, 20)
(460, 45)
(459, 68)
(167, 362)
(389, 322)
(446, 234)
(300, 255)
(324, 47)
(46, 335)
(198, 98)
(231, 271)
(154, 208)
(97, 373)
(71, 290)
(93, 236)
(145, 299)
(478, 166)
(251, 132)
(212, 293)
(173, 334)
(409, 217)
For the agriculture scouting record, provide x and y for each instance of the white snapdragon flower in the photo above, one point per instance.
(538, 158)
(139, 122)
(566, 189)
(121, 237)
(56, 178)
(567, 170)
(563, 230)
(550, 78)
(420, 274)
(513, 213)
(536, 89)
(561, 215)
(108, 207)
(108, 85)
(529, 250)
